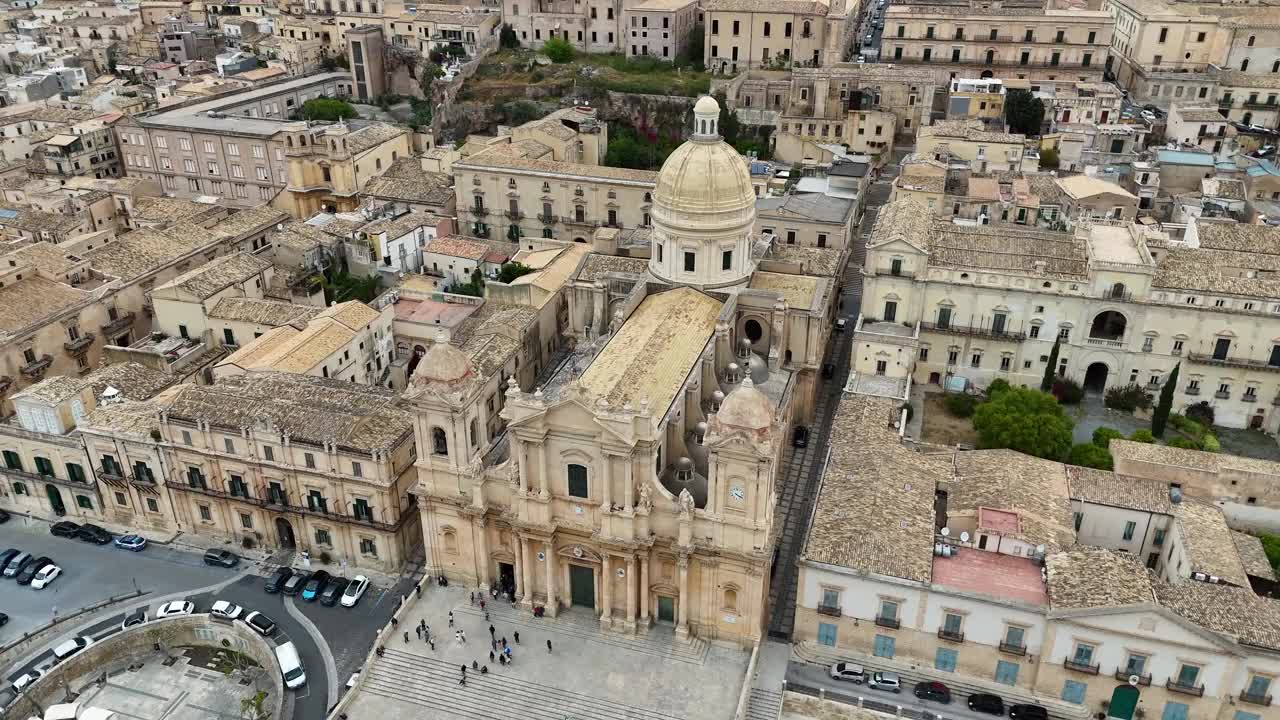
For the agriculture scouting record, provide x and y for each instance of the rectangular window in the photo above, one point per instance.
(884, 646)
(323, 538)
(368, 546)
(1188, 675)
(577, 477)
(153, 505)
(726, 260)
(1135, 665)
(945, 660)
(827, 634)
(1006, 672)
(1157, 538)
(689, 262)
(357, 469)
(1083, 654)
(1129, 527)
(309, 460)
(1073, 692)
(205, 513)
(1175, 711)
(246, 521)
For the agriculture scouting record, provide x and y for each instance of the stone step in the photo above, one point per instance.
(433, 684)
(764, 705)
(658, 641)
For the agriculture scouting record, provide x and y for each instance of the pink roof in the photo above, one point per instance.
(999, 521)
(496, 257)
(1006, 577)
(432, 312)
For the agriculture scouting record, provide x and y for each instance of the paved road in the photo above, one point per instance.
(809, 679)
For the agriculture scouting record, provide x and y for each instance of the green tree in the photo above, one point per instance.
(1049, 159)
(507, 38)
(1023, 112)
(1090, 455)
(329, 109)
(1160, 417)
(1271, 546)
(1047, 382)
(558, 50)
(997, 386)
(1103, 436)
(512, 270)
(691, 56)
(730, 128)
(1025, 420)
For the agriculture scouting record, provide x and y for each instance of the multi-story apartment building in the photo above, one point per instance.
(658, 28)
(1083, 591)
(590, 26)
(970, 140)
(261, 156)
(87, 148)
(1125, 303)
(1034, 40)
(1198, 126)
(778, 34)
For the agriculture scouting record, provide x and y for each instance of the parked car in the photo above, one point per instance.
(225, 609)
(29, 572)
(17, 563)
(26, 678)
(848, 671)
(293, 584)
(70, 647)
(329, 596)
(64, 528)
(315, 585)
(4, 517)
(1148, 116)
(4, 619)
(1027, 712)
(986, 703)
(355, 591)
(933, 690)
(93, 534)
(137, 617)
(260, 623)
(225, 558)
(800, 436)
(135, 543)
(277, 579)
(885, 681)
(175, 608)
(47, 575)
(8, 555)
(841, 324)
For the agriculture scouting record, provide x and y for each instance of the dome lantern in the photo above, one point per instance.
(706, 119)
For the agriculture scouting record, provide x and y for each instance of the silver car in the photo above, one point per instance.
(885, 681)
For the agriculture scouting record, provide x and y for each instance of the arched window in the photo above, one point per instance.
(439, 441)
(648, 197)
(1117, 290)
(579, 213)
(475, 438)
(1244, 64)
(1275, 66)
(577, 477)
(731, 600)
(1251, 39)
(805, 32)
(450, 541)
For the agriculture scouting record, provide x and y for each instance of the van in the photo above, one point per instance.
(290, 666)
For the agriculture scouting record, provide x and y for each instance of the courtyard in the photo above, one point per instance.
(589, 673)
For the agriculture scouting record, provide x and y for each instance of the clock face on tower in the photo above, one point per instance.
(737, 493)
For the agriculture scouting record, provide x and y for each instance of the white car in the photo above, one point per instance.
(45, 576)
(71, 647)
(230, 611)
(176, 608)
(22, 681)
(355, 591)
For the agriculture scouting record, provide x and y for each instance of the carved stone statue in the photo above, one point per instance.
(686, 504)
(646, 497)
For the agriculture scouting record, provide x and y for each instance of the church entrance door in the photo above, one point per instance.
(666, 609)
(582, 586)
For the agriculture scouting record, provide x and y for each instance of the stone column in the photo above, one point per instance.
(544, 491)
(521, 587)
(631, 593)
(526, 552)
(682, 624)
(628, 484)
(552, 605)
(644, 590)
(482, 553)
(607, 492)
(606, 591)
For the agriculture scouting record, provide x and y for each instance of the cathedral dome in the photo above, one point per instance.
(746, 407)
(443, 363)
(705, 174)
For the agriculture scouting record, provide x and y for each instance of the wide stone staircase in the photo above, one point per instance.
(433, 685)
(764, 704)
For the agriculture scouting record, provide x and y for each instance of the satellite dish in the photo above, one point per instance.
(964, 537)
(946, 532)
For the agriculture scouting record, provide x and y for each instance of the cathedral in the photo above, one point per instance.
(635, 478)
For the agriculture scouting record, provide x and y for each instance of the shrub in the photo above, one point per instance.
(1271, 546)
(558, 50)
(1201, 412)
(997, 386)
(512, 270)
(1143, 436)
(1067, 391)
(247, 542)
(1025, 420)
(330, 109)
(1127, 397)
(1209, 443)
(1090, 455)
(1184, 443)
(508, 39)
(960, 405)
(1186, 425)
(1103, 436)
(325, 557)
(911, 411)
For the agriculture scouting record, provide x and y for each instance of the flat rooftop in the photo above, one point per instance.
(196, 117)
(432, 312)
(1004, 577)
(1110, 243)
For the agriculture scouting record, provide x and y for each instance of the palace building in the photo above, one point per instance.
(635, 477)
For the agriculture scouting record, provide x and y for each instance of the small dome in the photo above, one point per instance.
(443, 363)
(746, 407)
(744, 347)
(706, 105)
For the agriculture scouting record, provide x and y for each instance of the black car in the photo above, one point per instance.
(64, 528)
(983, 702)
(29, 572)
(137, 617)
(4, 516)
(933, 690)
(1027, 712)
(225, 558)
(333, 591)
(277, 579)
(93, 534)
(4, 619)
(800, 437)
(293, 584)
(314, 585)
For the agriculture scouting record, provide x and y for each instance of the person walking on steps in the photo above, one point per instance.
(492, 631)
(548, 646)
(450, 618)
(517, 636)
(406, 637)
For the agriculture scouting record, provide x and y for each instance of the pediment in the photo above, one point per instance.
(895, 244)
(573, 413)
(578, 551)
